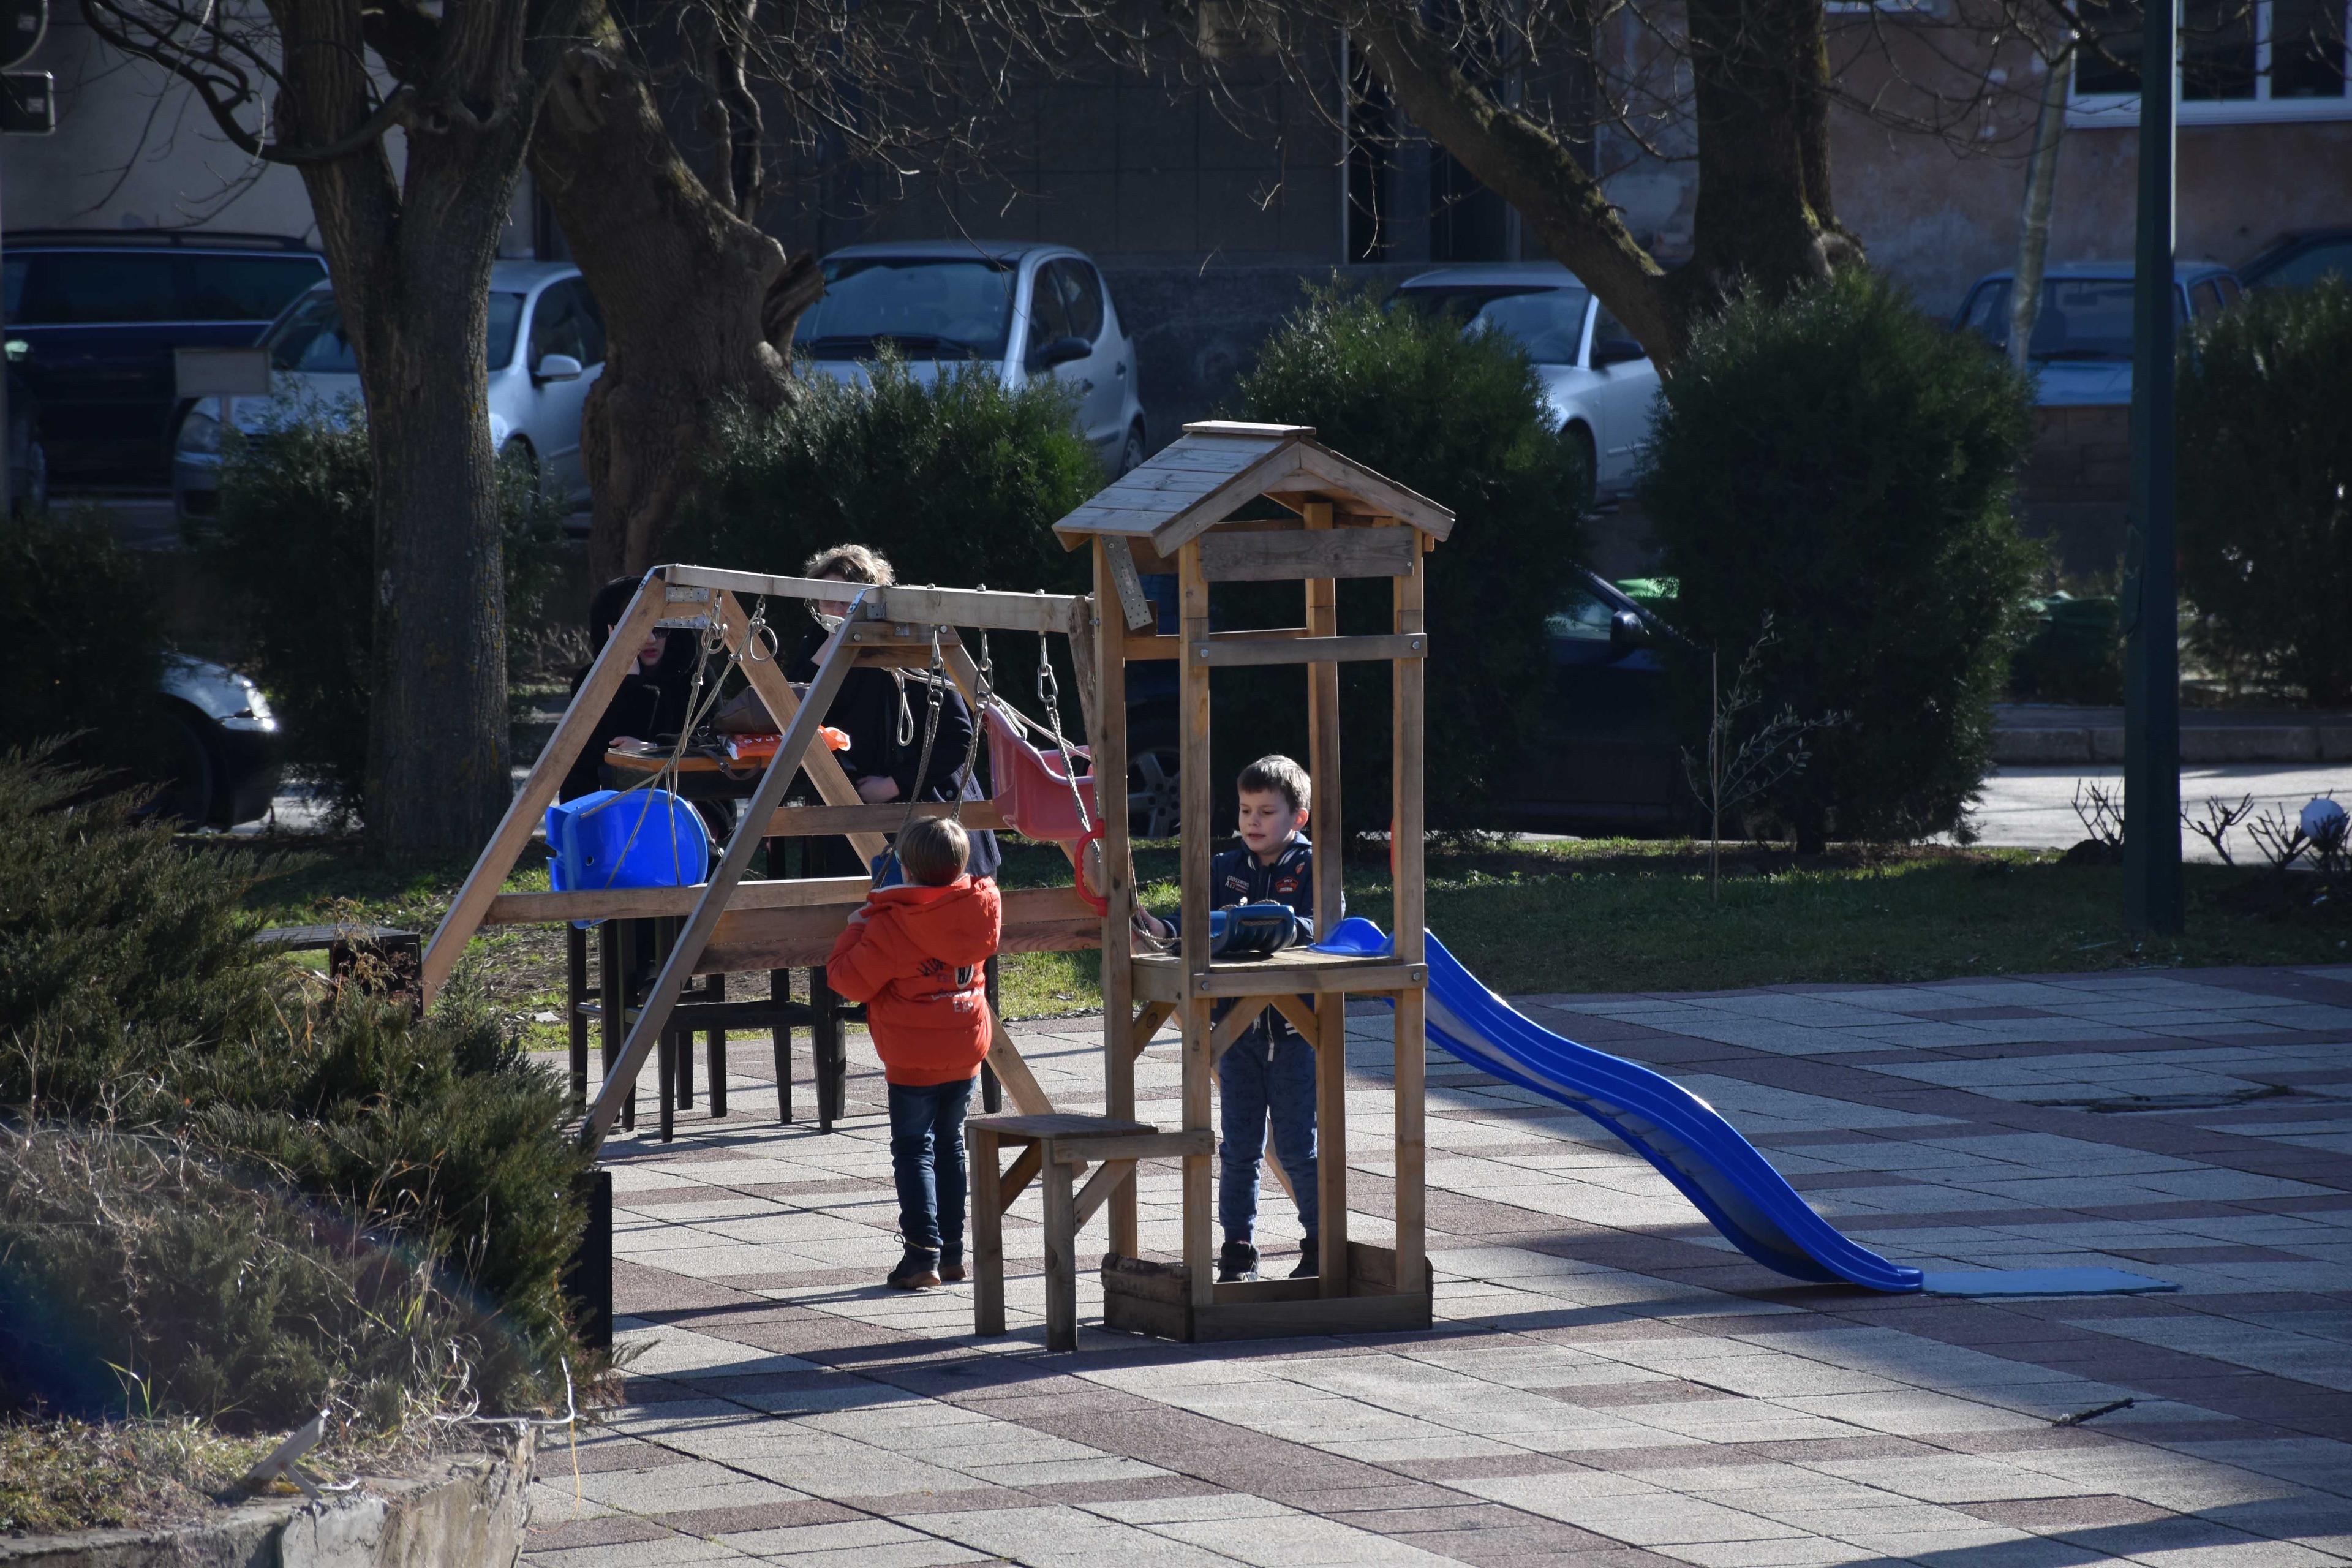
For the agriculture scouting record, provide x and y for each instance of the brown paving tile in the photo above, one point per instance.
(779, 1515)
(901, 1505)
(1463, 1515)
(2046, 1515)
(610, 1529)
(1395, 1493)
(1478, 1467)
(642, 1292)
(555, 1460)
(1656, 1391)
(1137, 1490)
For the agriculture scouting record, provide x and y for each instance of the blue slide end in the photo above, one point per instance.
(1702, 1154)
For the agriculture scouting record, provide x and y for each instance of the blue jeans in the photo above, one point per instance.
(926, 1163)
(1256, 1077)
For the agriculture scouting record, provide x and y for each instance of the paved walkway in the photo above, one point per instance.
(1609, 1384)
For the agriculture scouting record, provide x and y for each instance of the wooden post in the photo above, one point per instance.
(1323, 738)
(1195, 783)
(575, 992)
(987, 1236)
(1411, 947)
(1061, 1256)
(1331, 1141)
(784, 705)
(1108, 745)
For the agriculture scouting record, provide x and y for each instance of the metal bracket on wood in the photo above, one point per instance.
(285, 1459)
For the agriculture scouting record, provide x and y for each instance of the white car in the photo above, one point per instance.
(1601, 385)
(1023, 310)
(546, 348)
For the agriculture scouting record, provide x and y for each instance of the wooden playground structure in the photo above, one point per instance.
(1175, 514)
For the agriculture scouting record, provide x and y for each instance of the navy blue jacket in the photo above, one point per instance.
(1235, 877)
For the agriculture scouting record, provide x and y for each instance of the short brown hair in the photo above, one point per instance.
(933, 850)
(851, 563)
(1278, 773)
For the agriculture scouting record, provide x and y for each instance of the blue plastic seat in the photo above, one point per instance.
(638, 838)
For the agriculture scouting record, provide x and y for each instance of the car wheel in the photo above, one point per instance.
(1588, 487)
(1155, 800)
(1130, 457)
(189, 778)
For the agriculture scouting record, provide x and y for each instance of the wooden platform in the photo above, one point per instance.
(1297, 970)
(1148, 1298)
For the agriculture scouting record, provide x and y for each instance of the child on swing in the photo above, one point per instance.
(914, 955)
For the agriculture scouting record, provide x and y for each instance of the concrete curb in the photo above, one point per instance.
(466, 1511)
(2052, 740)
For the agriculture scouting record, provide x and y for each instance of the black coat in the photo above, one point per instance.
(649, 705)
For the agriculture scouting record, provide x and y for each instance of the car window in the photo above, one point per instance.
(932, 306)
(1082, 297)
(2081, 318)
(1548, 321)
(1584, 617)
(95, 288)
(566, 323)
(242, 287)
(2206, 300)
(1606, 325)
(2311, 264)
(309, 337)
(13, 273)
(1049, 312)
(1987, 312)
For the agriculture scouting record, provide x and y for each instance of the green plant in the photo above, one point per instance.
(1843, 464)
(296, 537)
(2265, 489)
(1461, 418)
(130, 998)
(958, 481)
(89, 638)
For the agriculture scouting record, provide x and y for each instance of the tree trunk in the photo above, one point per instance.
(2033, 223)
(410, 262)
(698, 305)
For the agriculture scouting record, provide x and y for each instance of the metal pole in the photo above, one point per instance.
(2152, 659)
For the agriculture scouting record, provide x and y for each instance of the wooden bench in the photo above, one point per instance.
(1055, 1150)
(385, 960)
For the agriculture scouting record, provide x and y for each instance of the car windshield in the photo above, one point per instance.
(2081, 319)
(309, 337)
(927, 307)
(1547, 320)
(2311, 264)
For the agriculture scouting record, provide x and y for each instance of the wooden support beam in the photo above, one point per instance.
(1172, 1145)
(1296, 555)
(572, 733)
(1300, 1014)
(987, 1235)
(1107, 737)
(1236, 1023)
(1145, 1024)
(875, 820)
(1099, 1186)
(903, 602)
(1250, 651)
(1026, 1164)
(1147, 646)
(1163, 979)
(784, 705)
(684, 954)
(647, 903)
(1019, 1083)
(1407, 720)
(1135, 606)
(1036, 920)
(1331, 1140)
(1200, 1059)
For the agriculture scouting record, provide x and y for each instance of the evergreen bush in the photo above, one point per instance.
(1460, 418)
(2265, 496)
(89, 638)
(1846, 465)
(132, 999)
(295, 538)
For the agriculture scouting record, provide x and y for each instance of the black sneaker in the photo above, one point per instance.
(1236, 1260)
(1310, 1259)
(951, 1268)
(918, 1270)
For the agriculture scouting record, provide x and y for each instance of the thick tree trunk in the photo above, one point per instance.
(698, 305)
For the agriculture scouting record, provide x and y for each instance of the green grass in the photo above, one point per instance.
(1575, 916)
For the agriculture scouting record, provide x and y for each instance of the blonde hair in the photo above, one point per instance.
(1278, 773)
(851, 563)
(933, 850)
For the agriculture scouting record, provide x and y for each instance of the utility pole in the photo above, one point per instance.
(2151, 594)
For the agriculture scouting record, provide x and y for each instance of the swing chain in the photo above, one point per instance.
(936, 679)
(1049, 694)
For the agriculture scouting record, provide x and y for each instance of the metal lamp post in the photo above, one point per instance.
(2151, 595)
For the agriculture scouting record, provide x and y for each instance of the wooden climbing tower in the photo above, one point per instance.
(1176, 514)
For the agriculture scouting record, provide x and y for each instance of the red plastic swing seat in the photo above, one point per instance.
(1031, 790)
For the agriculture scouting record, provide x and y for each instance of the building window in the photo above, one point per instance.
(2241, 60)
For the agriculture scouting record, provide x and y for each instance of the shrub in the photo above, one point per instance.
(2265, 489)
(296, 537)
(129, 996)
(1843, 464)
(959, 482)
(88, 640)
(1460, 419)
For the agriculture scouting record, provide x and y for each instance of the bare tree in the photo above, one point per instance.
(323, 85)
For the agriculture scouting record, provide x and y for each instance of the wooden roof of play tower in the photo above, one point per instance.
(1218, 465)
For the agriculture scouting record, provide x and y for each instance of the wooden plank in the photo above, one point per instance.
(1136, 1314)
(1300, 1015)
(1145, 1280)
(1230, 1292)
(904, 602)
(1326, 1315)
(987, 1236)
(1175, 1146)
(1236, 1023)
(1099, 1186)
(1298, 554)
(1061, 1260)
(1116, 882)
(1243, 651)
(572, 733)
(1155, 646)
(1407, 719)
(1323, 738)
(878, 819)
(1036, 920)
(1024, 1168)
(783, 704)
(1033, 1125)
(1199, 1069)
(1243, 429)
(1087, 674)
(1020, 1084)
(797, 741)
(1331, 1140)
(1381, 494)
(1145, 1024)
(1135, 606)
(647, 903)
(1161, 978)
(1213, 509)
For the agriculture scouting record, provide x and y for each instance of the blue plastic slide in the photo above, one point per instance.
(1696, 1149)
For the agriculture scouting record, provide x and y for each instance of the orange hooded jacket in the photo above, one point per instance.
(913, 956)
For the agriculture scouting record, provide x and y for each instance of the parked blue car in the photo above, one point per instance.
(2082, 350)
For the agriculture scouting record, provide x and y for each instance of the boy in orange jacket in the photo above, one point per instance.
(914, 955)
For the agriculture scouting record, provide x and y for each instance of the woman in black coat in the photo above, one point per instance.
(651, 701)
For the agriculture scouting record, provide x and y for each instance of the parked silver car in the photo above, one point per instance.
(219, 745)
(1025, 309)
(1601, 385)
(546, 347)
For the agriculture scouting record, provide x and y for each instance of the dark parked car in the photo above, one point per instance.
(99, 313)
(2301, 259)
(219, 745)
(1608, 758)
(29, 463)
(2081, 355)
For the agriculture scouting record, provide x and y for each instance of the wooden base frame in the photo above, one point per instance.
(1157, 1299)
